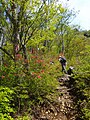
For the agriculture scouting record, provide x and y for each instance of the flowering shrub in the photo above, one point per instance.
(31, 87)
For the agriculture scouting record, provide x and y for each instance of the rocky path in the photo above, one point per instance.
(64, 108)
(66, 100)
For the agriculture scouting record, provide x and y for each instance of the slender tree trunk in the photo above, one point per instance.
(25, 57)
(15, 31)
(62, 48)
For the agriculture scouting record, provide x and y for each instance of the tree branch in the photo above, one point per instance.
(5, 51)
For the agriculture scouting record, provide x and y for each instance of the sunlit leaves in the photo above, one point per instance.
(5, 99)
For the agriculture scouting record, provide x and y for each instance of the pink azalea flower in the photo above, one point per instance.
(39, 76)
(42, 71)
(3, 77)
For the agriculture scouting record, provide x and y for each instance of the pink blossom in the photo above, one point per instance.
(3, 77)
(39, 76)
(42, 71)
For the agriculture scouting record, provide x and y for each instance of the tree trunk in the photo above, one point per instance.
(25, 57)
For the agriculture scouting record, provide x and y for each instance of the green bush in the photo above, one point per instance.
(32, 87)
(5, 103)
(82, 86)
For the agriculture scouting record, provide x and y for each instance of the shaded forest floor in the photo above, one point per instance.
(63, 108)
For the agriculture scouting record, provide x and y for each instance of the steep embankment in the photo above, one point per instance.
(63, 108)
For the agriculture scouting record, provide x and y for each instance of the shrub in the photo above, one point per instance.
(5, 103)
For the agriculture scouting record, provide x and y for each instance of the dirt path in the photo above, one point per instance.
(64, 108)
(66, 100)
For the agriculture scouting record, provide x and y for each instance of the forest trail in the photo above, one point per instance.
(64, 108)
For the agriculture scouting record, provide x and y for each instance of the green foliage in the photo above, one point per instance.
(25, 117)
(82, 86)
(5, 103)
(36, 22)
(33, 23)
(81, 91)
(41, 83)
(32, 87)
(78, 55)
(86, 114)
